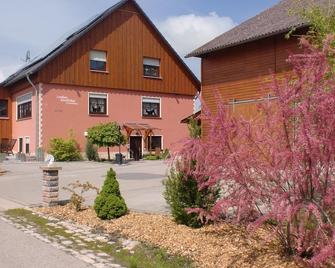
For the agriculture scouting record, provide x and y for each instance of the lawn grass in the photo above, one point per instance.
(145, 256)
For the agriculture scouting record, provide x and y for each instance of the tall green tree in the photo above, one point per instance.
(322, 22)
(322, 25)
(106, 135)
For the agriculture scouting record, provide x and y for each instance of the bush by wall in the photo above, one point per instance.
(109, 204)
(182, 193)
(91, 151)
(64, 150)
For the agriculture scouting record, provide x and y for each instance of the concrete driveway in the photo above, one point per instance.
(140, 182)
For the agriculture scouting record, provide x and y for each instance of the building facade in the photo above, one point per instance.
(239, 64)
(117, 68)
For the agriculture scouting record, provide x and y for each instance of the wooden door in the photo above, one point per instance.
(136, 147)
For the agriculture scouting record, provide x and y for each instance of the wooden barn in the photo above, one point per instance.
(238, 63)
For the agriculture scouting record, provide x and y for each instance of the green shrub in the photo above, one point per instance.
(165, 154)
(110, 207)
(194, 129)
(111, 185)
(181, 194)
(64, 150)
(109, 204)
(91, 151)
(151, 157)
(77, 198)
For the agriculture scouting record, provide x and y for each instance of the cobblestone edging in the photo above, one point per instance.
(76, 241)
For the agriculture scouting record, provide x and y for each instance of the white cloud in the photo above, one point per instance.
(188, 32)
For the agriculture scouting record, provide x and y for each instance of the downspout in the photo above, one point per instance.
(37, 128)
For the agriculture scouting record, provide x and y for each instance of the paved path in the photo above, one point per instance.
(140, 182)
(19, 250)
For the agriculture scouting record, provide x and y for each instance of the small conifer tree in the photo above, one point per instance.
(109, 204)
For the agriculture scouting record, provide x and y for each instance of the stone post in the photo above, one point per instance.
(50, 186)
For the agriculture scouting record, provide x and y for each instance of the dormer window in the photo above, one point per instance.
(151, 67)
(98, 61)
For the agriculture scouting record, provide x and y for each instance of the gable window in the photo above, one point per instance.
(97, 103)
(24, 106)
(151, 67)
(3, 108)
(98, 60)
(151, 107)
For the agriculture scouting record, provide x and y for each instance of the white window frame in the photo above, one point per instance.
(25, 144)
(18, 144)
(22, 102)
(160, 107)
(105, 60)
(153, 64)
(107, 105)
(162, 140)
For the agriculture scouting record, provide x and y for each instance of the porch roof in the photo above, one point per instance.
(146, 128)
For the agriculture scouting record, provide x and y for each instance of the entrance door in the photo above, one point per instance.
(20, 145)
(136, 147)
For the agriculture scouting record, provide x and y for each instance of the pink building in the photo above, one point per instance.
(116, 68)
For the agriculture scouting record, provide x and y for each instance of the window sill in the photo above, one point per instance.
(151, 117)
(99, 72)
(152, 77)
(23, 119)
(98, 115)
(4, 118)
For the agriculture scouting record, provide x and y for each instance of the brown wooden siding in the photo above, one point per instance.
(242, 72)
(127, 37)
(6, 124)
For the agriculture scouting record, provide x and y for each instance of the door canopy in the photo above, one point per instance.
(144, 130)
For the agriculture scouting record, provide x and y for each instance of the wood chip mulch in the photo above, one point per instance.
(211, 246)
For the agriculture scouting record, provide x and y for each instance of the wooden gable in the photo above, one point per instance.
(127, 36)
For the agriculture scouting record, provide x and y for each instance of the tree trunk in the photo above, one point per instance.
(109, 156)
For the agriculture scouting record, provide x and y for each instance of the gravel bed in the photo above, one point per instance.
(211, 246)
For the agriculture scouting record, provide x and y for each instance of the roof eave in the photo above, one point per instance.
(202, 54)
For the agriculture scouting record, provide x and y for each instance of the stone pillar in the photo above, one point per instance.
(50, 186)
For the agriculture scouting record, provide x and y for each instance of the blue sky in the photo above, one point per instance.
(37, 25)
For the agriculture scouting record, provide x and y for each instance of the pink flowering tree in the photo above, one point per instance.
(279, 167)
